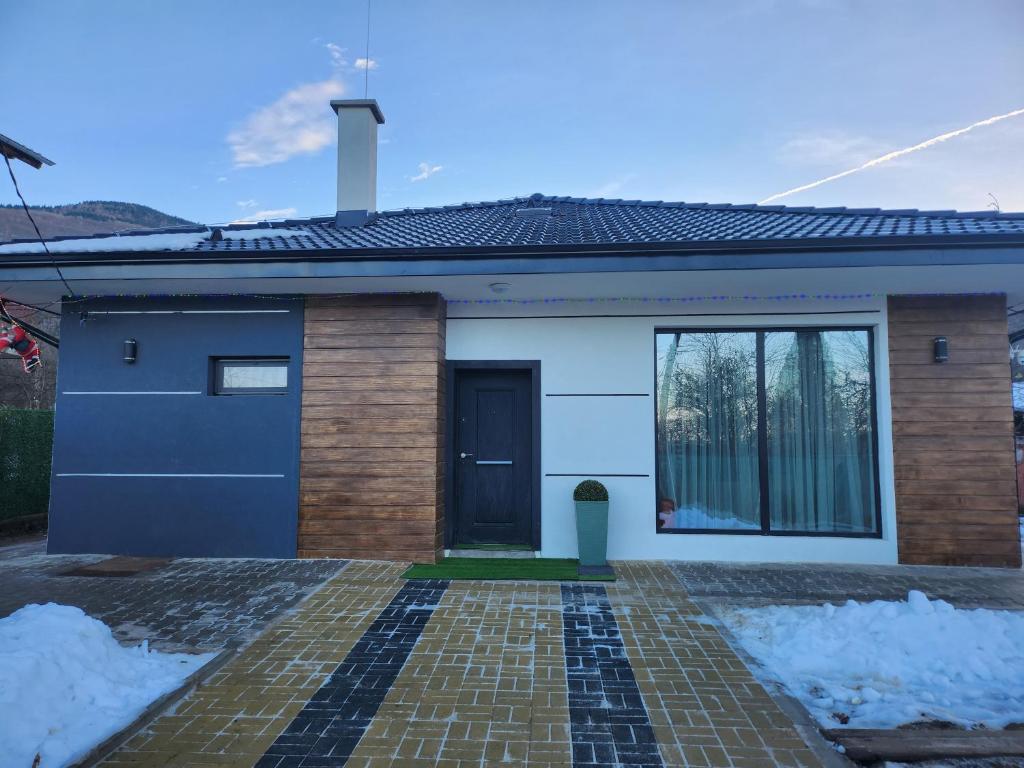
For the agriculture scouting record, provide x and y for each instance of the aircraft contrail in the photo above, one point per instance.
(894, 155)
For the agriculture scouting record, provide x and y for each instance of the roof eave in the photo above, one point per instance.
(519, 251)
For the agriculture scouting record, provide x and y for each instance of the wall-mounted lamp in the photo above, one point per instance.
(131, 350)
(941, 349)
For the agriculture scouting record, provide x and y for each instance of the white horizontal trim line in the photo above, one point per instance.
(592, 474)
(152, 474)
(597, 394)
(793, 313)
(132, 393)
(189, 312)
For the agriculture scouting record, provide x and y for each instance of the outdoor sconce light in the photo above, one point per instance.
(131, 349)
(941, 349)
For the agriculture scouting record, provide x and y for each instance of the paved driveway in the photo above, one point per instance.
(189, 604)
(370, 670)
(375, 671)
(794, 584)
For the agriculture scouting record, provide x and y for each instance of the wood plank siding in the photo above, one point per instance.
(956, 491)
(372, 461)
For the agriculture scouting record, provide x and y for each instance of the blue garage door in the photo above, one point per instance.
(190, 450)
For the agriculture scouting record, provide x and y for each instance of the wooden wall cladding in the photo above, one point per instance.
(956, 491)
(372, 462)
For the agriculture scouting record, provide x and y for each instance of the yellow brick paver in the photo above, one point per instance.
(236, 715)
(707, 709)
(485, 685)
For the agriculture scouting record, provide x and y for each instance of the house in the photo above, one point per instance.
(750, 382)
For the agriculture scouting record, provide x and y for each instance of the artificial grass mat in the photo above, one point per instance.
(500, 569)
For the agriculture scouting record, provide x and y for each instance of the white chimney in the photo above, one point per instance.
(357, 159)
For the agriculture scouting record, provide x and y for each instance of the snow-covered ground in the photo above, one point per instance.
(66, 684)
(882, 664)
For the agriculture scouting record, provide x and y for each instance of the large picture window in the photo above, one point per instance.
(766, 431)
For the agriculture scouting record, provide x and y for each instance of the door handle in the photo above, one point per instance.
(465, 455)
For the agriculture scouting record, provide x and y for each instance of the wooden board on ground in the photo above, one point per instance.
(909, 745)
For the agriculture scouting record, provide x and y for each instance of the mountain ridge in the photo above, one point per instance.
(88, 217)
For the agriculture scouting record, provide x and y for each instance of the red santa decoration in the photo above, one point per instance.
(14, 341)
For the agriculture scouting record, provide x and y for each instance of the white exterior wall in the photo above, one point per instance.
(587, 436)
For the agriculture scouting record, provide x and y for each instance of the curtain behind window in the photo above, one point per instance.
(706, 428)
(820, 443)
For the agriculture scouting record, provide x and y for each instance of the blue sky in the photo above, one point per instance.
(219, 110)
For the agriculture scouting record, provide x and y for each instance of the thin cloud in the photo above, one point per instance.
(896, 154)
(246, 203)
(612, 186)
(337, 54)
(271, 213)
(426, 171)
(221, 179)
(365, 63)
(829, 149)
(298, 123)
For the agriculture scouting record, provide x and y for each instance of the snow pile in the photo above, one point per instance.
(66, 684)
(881, 664)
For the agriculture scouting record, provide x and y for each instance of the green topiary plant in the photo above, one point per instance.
(590, 490)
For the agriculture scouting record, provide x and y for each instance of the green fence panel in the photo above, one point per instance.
(26, 450)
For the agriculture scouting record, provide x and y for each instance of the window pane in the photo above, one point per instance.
(821, 462)
(249, 376)
(706, 431)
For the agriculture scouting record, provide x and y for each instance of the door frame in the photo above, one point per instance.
(452, 370)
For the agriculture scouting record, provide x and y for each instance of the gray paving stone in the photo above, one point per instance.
(805, 583)
(190, 603)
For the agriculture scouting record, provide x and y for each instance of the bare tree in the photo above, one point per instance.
(38, 388)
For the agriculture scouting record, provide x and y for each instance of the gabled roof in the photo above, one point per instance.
(540, 222)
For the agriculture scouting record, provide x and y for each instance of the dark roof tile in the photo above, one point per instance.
(573, 221)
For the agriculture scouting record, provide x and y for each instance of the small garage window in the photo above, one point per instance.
(253, 376)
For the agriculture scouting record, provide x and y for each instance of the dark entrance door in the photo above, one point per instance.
(492, 456)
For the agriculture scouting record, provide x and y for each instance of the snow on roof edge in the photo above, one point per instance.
(140, 241)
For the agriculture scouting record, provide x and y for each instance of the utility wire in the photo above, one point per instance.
(38, 333)
(33, 306)
(35, 226)
(366, 61)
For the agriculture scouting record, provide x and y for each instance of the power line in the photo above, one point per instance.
(366, 61)
(35, 226)
(39, 333)
(33, 306)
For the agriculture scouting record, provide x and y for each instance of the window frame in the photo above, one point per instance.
(217, 364)
(759, 332)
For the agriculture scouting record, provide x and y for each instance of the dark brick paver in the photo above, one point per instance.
(188, 604)
(330, 725)
(610, 724)
(794, 584)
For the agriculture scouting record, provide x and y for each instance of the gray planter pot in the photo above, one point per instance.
(592, 533)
